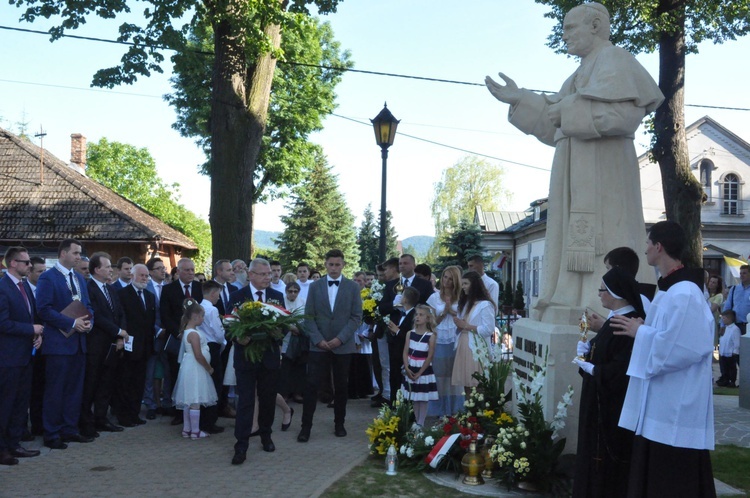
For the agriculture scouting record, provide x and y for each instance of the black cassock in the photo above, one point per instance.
(604, 448)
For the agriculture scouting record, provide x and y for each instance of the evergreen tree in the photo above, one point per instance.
(461, 244)
(391, 237)
(318, 221)
(367, 240)
(518, 301)
(508, 293)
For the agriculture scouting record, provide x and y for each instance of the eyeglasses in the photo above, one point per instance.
(602, 290)
(24, 261)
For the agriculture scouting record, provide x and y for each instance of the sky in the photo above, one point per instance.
(47, 86)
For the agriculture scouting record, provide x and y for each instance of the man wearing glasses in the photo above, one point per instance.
(18, 335)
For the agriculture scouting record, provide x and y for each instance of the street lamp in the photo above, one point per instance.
(385, 131)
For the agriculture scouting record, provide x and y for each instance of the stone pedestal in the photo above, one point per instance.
(743, 375)
(532, 340)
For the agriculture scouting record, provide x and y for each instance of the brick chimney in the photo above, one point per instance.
(78, 152)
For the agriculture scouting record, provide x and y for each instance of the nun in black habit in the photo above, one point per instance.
(603, 459)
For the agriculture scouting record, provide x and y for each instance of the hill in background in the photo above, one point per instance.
(264, 240)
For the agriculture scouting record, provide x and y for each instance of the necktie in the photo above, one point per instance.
(187, 291)
(225, 297)
(331, 283)
(25, 296)
(406, 282)
(109, 298)
(260, 296)
(73, 288)
(140, 298)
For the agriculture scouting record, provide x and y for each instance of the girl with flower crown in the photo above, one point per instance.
(194, 387)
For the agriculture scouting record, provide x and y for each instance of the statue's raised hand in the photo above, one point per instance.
(508, 93)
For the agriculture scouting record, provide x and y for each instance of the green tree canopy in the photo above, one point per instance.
(131, 172)
(675, 28)
(302, 95)
(469, 183)
(318, 221)
(246, 46)
(367, 240)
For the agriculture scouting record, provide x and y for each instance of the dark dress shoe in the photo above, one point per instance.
(24, 453)
(89, 433)
(27, 437)
(109, 427)
(55, 444)
(304, 435)
(285, 427)
(214, 429)
(255, 433)
(75, 438)
(127, 423)
(150, 414)
(177, 420)
(268, 445)
(238, 458)
(339, 431)
(7, 459)
(138, 421)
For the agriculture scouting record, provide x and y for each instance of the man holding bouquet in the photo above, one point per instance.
(262, 374)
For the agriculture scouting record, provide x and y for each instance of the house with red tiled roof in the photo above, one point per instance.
(44, 200)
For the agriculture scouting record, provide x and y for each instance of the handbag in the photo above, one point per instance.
(172, 345)
(298, 347)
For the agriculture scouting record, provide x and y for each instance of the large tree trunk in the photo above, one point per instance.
(682, 191)
(239, 107)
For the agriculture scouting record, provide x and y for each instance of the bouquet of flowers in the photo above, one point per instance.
(529, 451)
(370, 298)
(262, 324)
(390, 426)
(418, 443)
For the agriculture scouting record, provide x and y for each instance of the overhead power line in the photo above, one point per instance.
(330, 68)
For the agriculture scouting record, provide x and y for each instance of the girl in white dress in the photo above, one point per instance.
(194, 387)
(419, 378)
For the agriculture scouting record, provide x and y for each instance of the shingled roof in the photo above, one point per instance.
(67, 203)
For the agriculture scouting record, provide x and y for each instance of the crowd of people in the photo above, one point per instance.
(91, 345)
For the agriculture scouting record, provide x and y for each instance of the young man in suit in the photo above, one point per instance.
(262, 375)
(18, 336)
(65, 357)
(398, 331)
(139, 308)
(109, 329)
(170, 308)
(334, 306)
(152, 393)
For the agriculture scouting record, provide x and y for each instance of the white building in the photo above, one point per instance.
(719, 159)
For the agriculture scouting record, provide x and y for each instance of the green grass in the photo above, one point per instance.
(726, 391)
(369, 479)
(730, 464)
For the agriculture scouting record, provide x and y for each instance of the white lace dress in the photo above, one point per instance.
(194, 385)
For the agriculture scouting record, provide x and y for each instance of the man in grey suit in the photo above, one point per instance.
(334, 310)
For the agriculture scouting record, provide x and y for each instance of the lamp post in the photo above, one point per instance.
(385, 131)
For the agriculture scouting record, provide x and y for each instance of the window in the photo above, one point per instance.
(523, 274)
(730, 195)
(535, 277)
(705, 171)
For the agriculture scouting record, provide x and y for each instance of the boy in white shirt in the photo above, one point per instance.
(729, 350)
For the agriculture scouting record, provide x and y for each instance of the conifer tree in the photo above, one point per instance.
(461, 244)
(367, 240)
(319, 220)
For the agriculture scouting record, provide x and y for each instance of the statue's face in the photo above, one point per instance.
(578, 35)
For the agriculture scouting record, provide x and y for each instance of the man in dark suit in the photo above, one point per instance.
(18, 337)
(139, 307)
(65, 357)
(170, 308)
(223, 275)
(262, 375)
(124, 272)
(103, 349)
(397, 334)
(334, 306)
(152, 392)
(391, 306)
